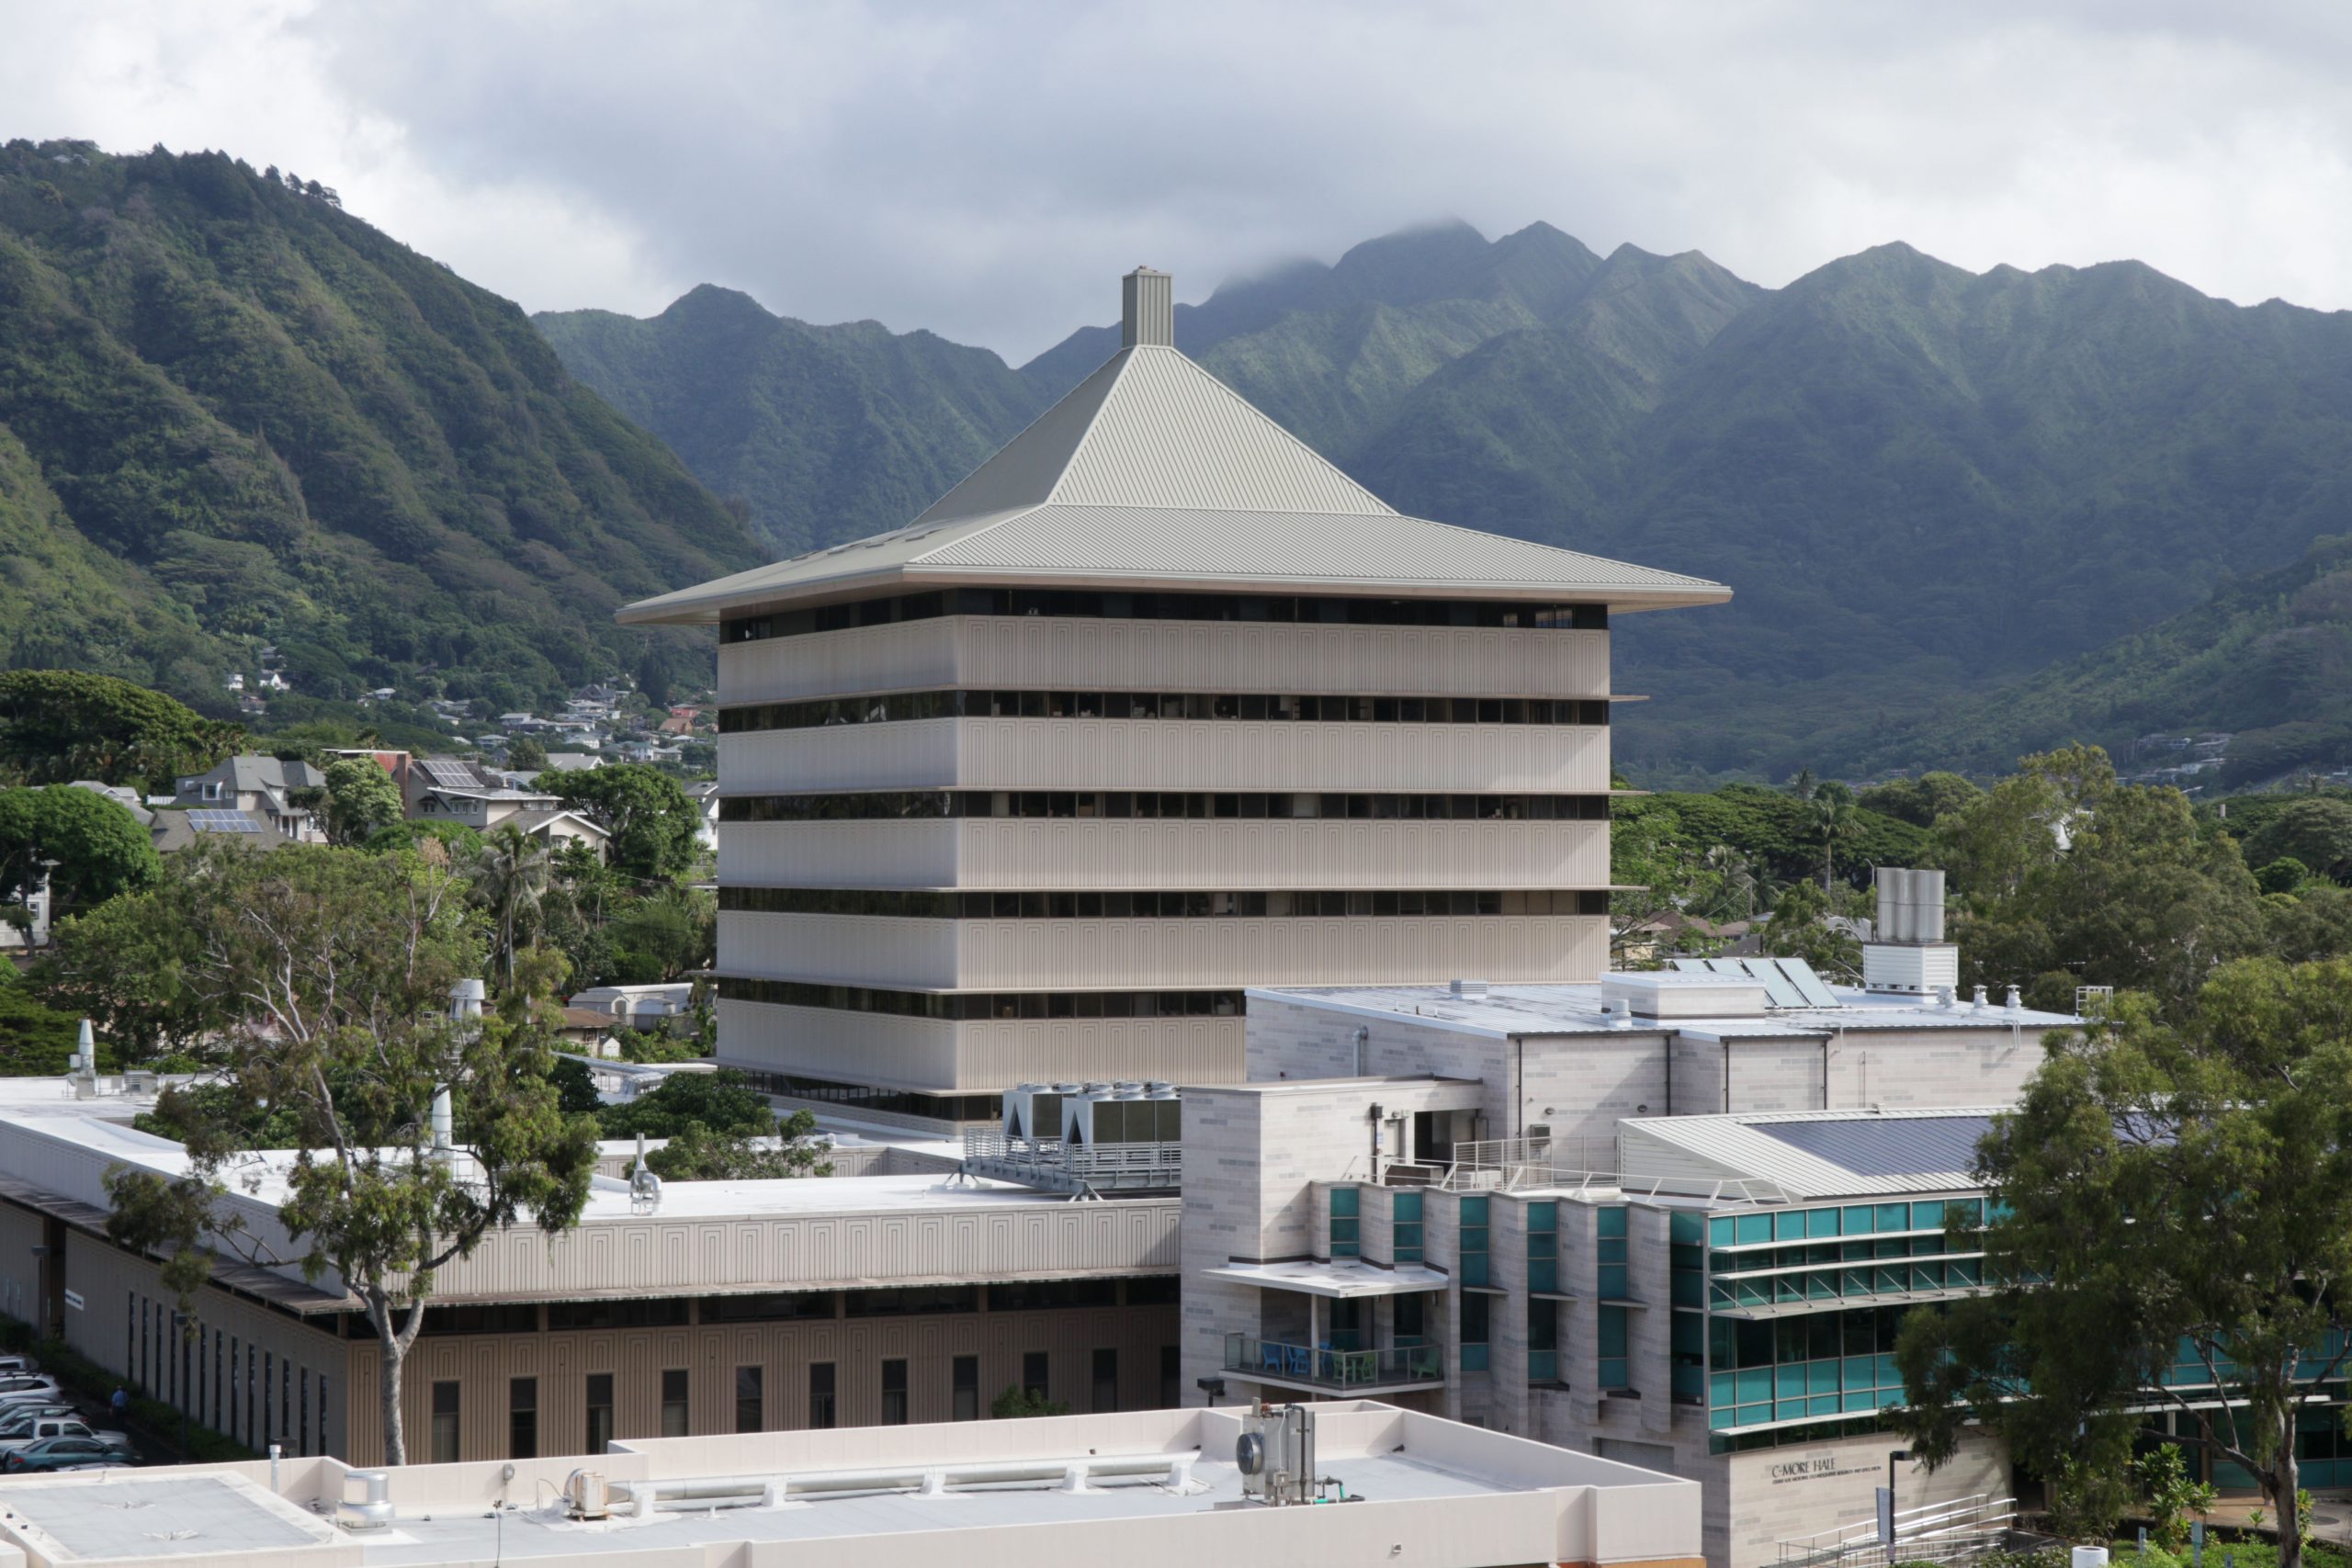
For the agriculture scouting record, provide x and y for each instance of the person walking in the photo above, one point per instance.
(119, 1405)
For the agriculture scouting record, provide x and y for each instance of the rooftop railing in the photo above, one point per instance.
(1952, 1532)
(1323, 1366)
(1051, 1163)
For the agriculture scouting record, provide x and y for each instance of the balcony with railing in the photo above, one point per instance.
(1395, 1369)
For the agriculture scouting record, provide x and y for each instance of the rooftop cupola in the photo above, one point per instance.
(1147, 310)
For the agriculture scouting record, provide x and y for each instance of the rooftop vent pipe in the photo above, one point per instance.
(1147, 310)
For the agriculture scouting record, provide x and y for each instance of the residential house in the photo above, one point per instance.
(448, 789)
(276, 793)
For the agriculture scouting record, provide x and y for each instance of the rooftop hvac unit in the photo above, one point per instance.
(1910, 904)
(1034, 1110)
(1275, 1455)
(1114, 1117)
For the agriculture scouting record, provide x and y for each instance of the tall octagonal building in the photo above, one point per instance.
(1155, 706)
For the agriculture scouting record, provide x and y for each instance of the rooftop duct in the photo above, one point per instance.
(1147, 310)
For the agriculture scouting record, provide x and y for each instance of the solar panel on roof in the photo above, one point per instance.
(448, 774)
(1777, 985)
(1691, 966)
(222, 822)
(1800, 975)
(1897, 1146)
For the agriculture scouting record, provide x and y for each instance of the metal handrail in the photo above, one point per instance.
(1324, 1366)
(1947, 1532)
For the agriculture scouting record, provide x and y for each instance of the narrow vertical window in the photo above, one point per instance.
(964, 1390)
(822, 1409)
(600, 1411)
(894, 1392)
(446, 1426)
(751, 1398)
(1107, 1379)
(675, 1416)
(523, 1418)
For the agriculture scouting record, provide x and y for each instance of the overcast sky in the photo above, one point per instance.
(987, 170)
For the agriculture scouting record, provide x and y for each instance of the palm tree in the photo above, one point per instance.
(1833, 819)
(510, 875)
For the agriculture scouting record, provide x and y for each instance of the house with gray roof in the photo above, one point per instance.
(280, 793)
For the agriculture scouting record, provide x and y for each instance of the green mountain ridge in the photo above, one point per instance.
(2267, 659)
(231, 414)
(1924, 485)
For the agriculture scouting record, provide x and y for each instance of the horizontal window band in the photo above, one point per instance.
(895, 707)
(1086, 605)
(1271, 904)
(965, 1007)
(1195, 804)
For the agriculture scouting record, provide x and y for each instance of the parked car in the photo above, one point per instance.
(65, 1453)
(16, 1418)
(16, 1365)
(22, 1387)
(25, 1433)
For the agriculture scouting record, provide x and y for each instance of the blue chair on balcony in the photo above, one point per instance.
(1270, 1357)
(1298, 1360)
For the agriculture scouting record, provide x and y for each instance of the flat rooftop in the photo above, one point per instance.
(1154, 1488)
(1507, 1011)
(1808, 1155)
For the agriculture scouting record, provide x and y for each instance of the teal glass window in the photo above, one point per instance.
(1544, 1249)
(1405, 1228)
(1688, 1346)
(1543, 1342)
(1614, 1342)
(1474, 1246)
(1687, 1259)
(1475, 1331)
(1343, 1221)
(1609, 1231)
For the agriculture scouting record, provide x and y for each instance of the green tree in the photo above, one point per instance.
(131, 963)
(722, 1102)
(525, 755)
(650, 819)
(333, 968)
(575, 1087)
(362, 799)
(2068, 877)
(1834, 821)
(657, 938)
(1922, 801)
(459, 843)
(2285, 874)
(2317, 832)
(35, 1039)
(99, 847)
(60, 725)
(705, 1154)
(510, 876)
(1017, 1402)
(1801, 928)
(2171, 1235)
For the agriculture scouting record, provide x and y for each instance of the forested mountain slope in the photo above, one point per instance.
(232, 413)
(1924, 485)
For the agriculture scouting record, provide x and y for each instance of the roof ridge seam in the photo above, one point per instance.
(1262, 417)
(1093, 421)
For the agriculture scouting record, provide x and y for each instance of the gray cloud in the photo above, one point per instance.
(984, 171)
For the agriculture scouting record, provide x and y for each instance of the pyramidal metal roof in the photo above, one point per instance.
(1153, 474)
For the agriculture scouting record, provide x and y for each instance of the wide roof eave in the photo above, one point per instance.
(709, 605)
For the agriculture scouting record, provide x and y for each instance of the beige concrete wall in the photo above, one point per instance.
(922, 1244)
(1164, 854)
(976, 1057)
(485, 1365)
(1799, 1489)
(1167, 754)
(1224, 952)
(258, 1374)
(1043, 653)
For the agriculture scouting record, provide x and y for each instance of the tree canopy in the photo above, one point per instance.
(57, 725)
(2172, 1222)
(362, 799)
(327, 973)
(651, 820)
(99, 847)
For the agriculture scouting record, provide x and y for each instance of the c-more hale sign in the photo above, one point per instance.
(1817, 1467)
